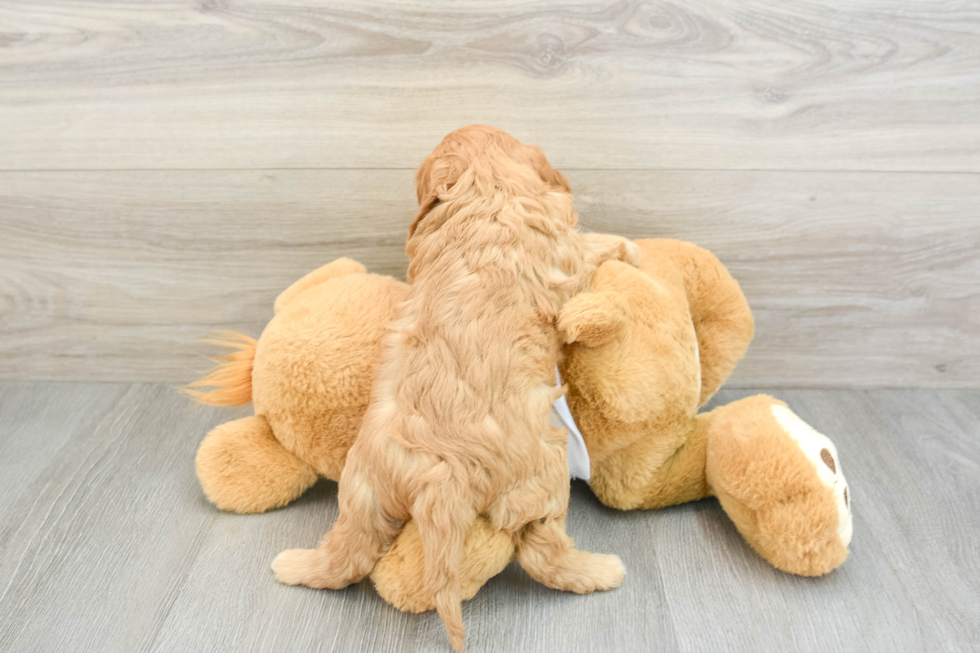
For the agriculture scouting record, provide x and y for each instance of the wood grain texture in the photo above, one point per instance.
(716, 84)
(855, 279)
(108, 545)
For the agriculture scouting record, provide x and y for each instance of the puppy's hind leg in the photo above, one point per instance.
(548, 554)
(444, 514)
(360, 536)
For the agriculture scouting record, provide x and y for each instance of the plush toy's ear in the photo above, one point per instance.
(594, 318)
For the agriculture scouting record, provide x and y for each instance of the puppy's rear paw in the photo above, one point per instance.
(607, 572)
(299, 567)
(590, 572)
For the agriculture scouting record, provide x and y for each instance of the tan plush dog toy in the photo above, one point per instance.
(648, 347)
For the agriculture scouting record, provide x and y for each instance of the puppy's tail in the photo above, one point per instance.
(231, 379)
(450, 608)
(444, 518)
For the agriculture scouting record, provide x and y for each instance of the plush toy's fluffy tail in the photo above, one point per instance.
(232, 378)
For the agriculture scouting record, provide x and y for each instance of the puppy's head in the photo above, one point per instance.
(480, 158)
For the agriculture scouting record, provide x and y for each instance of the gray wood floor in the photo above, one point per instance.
(106, 544)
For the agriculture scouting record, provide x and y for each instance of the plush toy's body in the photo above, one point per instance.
(650, 347)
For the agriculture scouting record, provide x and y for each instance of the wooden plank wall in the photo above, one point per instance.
(167, 168)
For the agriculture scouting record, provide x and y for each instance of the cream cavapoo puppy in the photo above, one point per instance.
(458, 421)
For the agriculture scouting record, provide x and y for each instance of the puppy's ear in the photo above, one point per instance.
(548, 174)
(424, 209)
(425, 189)
(436, 176)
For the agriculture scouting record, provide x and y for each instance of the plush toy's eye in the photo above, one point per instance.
(828, 460)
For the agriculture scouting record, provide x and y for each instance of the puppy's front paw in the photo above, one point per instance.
(631, 253)
(298, 567)
(594, 318)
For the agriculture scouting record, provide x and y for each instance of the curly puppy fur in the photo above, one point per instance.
(458, 422)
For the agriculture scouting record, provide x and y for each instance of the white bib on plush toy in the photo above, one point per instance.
(579, 465)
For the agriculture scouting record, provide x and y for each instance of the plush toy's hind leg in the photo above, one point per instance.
(243, 468)
(781, 483)
(400, 576)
